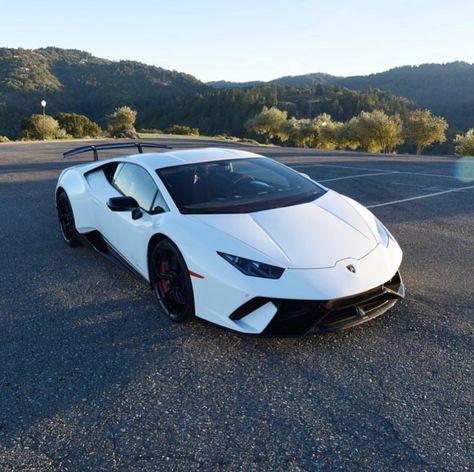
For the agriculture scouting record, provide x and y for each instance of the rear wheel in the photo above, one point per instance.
(66, 221)
(171, 282)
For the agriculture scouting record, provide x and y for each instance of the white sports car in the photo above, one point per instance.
(233, 238)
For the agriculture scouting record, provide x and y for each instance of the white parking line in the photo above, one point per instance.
(379, 171)
(338, 166)
(419, 197)
(431, 175)
(358, 175)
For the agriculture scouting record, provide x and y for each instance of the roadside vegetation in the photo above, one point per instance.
(42, 127)
(464, 143)
(373, 131)
(78, 126)
(62, 126)
(312, 112)
(92, 97)
(122, 123)
(182, 130)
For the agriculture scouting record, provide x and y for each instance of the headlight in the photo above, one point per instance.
(384, 235)
(253, 268)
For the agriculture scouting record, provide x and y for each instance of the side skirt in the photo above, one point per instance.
(103, 247)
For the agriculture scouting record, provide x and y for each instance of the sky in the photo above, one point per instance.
(249, 39)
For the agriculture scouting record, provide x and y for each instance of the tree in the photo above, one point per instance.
(290, 130)
(376, 131)
(269, 122)
(347, 134)
(423, 128)
(465, 143)
(78, 126)
(307, 132)
(326, 131)
(32, 128)
(122, 123)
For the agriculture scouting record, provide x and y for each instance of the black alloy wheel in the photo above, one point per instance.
(66, 221)
(171, 282)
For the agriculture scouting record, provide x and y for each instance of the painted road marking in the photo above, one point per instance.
(356, 176)
(419, 197)
(339, 166)
(378, 171)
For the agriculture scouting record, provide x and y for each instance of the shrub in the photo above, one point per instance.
(122, 123)
(4, 139)
(126, 133)
(61, 134)
(248, 141)
(32, 127)
(151, 131)
(183, 130)
(465, 143)
(78, 126)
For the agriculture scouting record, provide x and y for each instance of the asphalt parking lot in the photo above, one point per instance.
(93, 377)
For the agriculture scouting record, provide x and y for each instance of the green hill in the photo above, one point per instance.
(76, 81)
(227, 110)
(446, 89)
(296, 81)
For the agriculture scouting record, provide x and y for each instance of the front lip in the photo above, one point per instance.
(307, 317)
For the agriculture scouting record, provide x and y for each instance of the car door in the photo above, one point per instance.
(126, 235)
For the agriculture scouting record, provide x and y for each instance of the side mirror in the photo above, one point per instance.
(125, 204)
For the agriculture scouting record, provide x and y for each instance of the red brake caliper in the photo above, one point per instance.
(165, 284)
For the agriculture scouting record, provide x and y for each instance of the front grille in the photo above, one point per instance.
(298, 317)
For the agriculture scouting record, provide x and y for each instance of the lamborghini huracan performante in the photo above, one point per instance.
(233, 238)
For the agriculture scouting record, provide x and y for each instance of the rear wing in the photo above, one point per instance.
(100, 147)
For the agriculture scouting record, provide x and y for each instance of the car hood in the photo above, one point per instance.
(307, 236)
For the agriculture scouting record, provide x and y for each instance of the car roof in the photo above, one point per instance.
(158, 160)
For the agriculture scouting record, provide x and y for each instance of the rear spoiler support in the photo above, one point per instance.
(99, 147)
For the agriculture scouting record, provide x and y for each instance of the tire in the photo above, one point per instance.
(67, 224)
(171, 282)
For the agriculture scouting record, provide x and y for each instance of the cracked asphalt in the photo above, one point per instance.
(94, 377)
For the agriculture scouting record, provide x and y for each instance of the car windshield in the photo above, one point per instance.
(237, 186)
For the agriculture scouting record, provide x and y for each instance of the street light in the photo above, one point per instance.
(43, 104)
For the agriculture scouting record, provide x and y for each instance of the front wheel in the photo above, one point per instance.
(66, 221)
(171, 282)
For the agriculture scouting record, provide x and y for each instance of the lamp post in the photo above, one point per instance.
(43, 104)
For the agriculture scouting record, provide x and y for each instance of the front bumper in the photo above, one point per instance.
(301, 317)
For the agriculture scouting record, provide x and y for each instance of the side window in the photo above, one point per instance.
(133, 181)
(159, 204)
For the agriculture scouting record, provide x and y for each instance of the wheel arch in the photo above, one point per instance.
(154, 240)
(59, 190)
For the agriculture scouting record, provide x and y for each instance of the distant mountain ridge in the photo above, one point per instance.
(306, 80)
(76, 81)
(446, 89)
